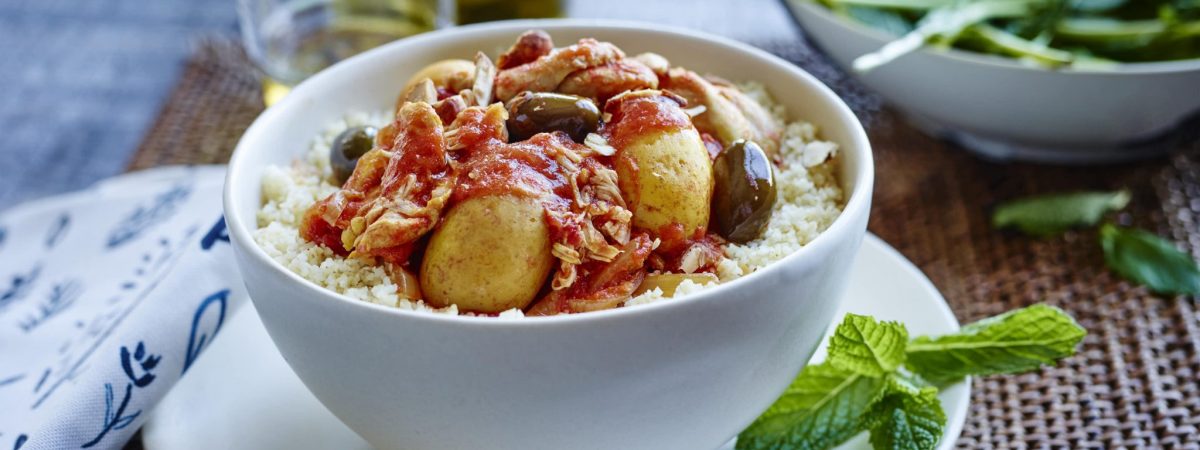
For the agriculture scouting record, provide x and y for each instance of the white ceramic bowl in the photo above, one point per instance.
(681, 374)
(1005, 109)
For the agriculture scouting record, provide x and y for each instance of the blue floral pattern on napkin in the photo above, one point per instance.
(107, 297)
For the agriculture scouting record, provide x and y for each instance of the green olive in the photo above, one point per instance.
(530, 113)
(744, 192)
(347, 148)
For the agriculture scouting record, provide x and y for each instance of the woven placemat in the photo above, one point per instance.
(216, 99)
(1134, 384)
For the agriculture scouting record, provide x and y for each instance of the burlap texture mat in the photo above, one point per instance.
(1136, 380)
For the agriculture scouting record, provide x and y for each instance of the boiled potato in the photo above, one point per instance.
(453, 74)
(667, 177)
(489, 254)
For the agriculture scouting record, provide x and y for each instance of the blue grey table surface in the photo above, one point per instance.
(82, 80)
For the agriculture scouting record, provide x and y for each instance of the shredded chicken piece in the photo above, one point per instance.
(644, 93)
(422, 92)
(728, 113)
(485, 79)
(395, 195)
(565, 276)
(602, 82)
(600, 221)
(595, 223)
(566, 253)
(363, 184)
(532, 44)
(599, 144)
(602, 186)
(656, 62)
(632, 258)
(476, 125)
(599, 285)
(449, 108)
(767, 128)
(414, 185)
(693, 259)
(721, 117)
(548, 71)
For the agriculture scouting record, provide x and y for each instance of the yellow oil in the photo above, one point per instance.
(273, 91)
(475, 11)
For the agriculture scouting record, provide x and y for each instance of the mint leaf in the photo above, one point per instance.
(1016, 341)
(1145, 258)
(906, 417)
(864, 346)
(821, 409)
(1052, 214)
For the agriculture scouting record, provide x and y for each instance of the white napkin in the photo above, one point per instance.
(107, 296)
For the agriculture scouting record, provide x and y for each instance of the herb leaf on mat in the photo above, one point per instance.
(862, 345)
(1016, 341)
(906, 418)
(1050, 214)
(1145, 258)
(821, 409)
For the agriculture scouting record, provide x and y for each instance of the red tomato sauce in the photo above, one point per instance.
(523, 169)
(639, 116)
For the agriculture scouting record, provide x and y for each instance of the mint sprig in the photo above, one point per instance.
(868, 382)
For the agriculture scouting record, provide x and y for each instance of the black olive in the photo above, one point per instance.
(744, 191)
(531, 113)
(347, 148)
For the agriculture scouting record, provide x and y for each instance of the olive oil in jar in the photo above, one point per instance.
(475, 11)
(295, 39)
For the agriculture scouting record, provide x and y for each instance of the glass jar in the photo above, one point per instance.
(289, 40)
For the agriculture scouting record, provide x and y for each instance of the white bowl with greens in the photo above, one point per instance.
(1011, 81)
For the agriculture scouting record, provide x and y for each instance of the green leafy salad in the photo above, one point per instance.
(1054, 33)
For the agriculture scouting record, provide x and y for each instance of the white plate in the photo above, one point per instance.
(242, 395)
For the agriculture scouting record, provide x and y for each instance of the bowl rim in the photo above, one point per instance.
(857, 204)
(795, 8)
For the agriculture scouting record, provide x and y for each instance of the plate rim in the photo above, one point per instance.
(954, 424)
